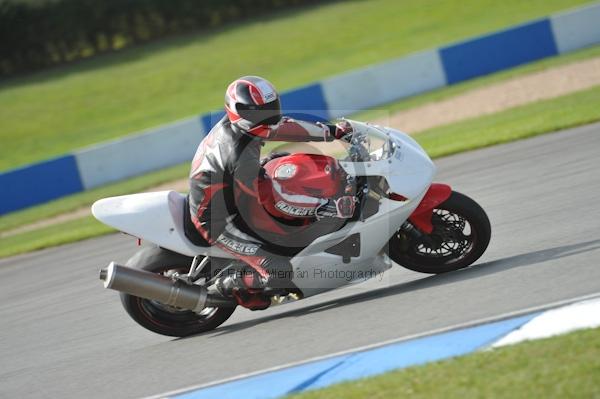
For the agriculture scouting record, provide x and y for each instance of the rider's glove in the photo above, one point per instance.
(342, 208)
(343, 130)
(340, 131)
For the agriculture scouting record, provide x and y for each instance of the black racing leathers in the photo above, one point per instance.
(223, 185)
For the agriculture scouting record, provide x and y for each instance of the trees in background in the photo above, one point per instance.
(42, 33)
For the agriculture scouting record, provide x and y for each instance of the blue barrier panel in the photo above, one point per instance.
(39, 183)
(497, 51)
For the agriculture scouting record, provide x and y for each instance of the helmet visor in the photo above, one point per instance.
(266, 114)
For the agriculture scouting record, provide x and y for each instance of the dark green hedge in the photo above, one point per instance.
(35, 35)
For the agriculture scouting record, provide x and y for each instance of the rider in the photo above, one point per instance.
(225, 174)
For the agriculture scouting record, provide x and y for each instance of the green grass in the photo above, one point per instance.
(62, 233)
(56, 111)
(567, 366)
(518, 123)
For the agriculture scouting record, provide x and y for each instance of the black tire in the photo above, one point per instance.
(163, 319)
(461, 235)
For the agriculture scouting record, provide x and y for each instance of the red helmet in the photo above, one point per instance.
(252, 104)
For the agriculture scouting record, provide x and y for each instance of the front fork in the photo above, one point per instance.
(415, 234)
(418, 227)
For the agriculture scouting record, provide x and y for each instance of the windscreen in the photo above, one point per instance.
(369, 143)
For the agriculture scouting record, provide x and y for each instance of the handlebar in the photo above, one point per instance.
(368, 143)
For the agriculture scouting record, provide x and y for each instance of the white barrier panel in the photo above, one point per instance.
(383, 83)
(134, 155)
(576, 29)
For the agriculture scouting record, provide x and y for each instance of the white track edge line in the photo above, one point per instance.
(472, 323)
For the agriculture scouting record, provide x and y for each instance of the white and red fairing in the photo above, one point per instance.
(395, 156)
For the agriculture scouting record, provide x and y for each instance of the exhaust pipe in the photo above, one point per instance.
(159, 288)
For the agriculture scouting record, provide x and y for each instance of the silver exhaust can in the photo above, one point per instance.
(155, 287)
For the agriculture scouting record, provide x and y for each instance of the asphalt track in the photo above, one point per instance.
(63, 335)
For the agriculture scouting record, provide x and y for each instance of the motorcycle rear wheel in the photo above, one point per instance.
(461, 234)
(163, 319)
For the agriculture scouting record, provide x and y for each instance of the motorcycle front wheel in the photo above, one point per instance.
(163, 319)
(461, 234)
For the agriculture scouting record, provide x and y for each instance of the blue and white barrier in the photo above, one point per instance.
(330, 98)
(368, 362)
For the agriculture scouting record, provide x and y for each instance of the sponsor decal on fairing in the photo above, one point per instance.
(294, 210)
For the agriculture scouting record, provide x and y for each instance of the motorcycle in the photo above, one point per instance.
(400, 216)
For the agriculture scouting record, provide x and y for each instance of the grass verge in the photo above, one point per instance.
(567, 366)
(517, 123)
(55, 111)
(513, 124)
(50, 236)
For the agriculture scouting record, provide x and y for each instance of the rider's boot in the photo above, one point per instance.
(246, 287)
